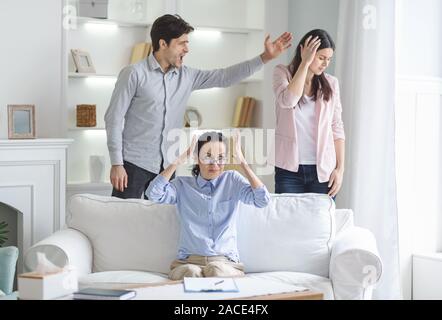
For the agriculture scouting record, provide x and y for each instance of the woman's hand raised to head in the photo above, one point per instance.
(308, 50)
(238, 155)
(187, 154)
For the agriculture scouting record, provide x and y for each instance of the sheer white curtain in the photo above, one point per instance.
(365, 67)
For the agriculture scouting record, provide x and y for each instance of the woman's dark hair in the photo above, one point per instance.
(319, 82)
(202, 140)
(168, 27)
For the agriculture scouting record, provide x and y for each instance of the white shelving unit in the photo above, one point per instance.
(115, 76)
(91, 75)
(86, 128)
(109, 43)
(226, 32)
(222, 29)
(119, 23)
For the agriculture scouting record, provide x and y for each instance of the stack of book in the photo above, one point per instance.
(242, 116)
(104, 294)
(140, 52)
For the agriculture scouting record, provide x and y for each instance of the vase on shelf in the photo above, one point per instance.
(96, 168)
(138, 10)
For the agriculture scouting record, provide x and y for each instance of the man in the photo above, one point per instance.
(150, 97)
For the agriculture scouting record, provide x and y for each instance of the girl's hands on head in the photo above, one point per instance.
(188, 153)
(308, 50)
(237, 154)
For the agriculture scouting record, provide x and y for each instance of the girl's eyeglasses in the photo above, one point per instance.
(208, 160)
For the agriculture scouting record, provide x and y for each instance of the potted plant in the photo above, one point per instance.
(3, 232)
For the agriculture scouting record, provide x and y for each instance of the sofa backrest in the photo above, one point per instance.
(293, 233)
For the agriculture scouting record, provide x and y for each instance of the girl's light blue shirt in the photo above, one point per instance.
(207, 210)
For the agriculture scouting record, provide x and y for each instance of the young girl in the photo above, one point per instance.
(207, 205)
(309, 130)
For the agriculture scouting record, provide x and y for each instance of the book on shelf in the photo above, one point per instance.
(140, 52)
(103, 294)
(242, 119)
(249, 112)
(242, 116)
(237, 112)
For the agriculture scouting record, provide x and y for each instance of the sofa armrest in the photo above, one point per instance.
(355, 264)
(64, 247)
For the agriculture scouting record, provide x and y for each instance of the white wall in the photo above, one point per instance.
(419, 154)
(306, 15)
(276, 22)
(418, 130)
(419, 38)
(418, 171)
(30, 62)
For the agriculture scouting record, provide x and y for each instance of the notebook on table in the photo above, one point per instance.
(103, 294)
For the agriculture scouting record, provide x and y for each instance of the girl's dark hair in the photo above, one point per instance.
(168, 27)
(319, 82)
(202, 140)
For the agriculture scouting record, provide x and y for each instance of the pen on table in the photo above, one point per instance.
(219, 282)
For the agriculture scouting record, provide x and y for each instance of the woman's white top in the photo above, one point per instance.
(306, 128)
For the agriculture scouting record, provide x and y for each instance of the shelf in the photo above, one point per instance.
(185, 128)
(134, 24)
(217, 129)
(85, 128)
(228, 30)
(138, 24)
(120, 23)
(91, 75)
(251, 80)
(99, 75)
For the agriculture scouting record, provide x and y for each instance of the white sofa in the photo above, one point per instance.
(296, 239)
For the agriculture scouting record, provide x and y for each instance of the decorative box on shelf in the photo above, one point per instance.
(86, 115)
(93, 8)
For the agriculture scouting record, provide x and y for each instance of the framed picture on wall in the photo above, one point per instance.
(21, 122)
(82, 61)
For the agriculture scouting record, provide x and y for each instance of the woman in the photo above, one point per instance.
(309, 141)
(206, 205)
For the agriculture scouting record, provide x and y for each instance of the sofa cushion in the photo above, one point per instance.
(119, 279)
(126, 234)
(293, 233)
(308, 280)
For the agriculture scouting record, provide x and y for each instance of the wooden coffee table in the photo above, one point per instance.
(249, 289)
(303, 295)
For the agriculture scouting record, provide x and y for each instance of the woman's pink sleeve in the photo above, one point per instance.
(284, 98)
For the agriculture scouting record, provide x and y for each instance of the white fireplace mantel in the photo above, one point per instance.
(33, 181)
(35, 143)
